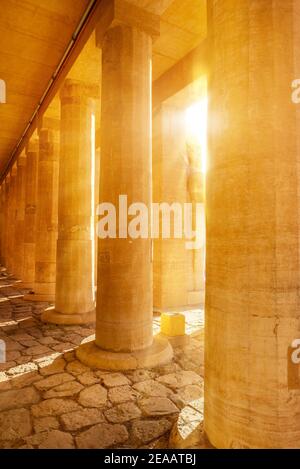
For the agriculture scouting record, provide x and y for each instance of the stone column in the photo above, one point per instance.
(20, 216)
(74, 295)
(196, 193)
(32, 150)
(2, 217)
(2, 203)
(6, 224)
(46, 215)
(12, 220)
(252, 387)
(170, 266)
(96, 195)
(124, 338)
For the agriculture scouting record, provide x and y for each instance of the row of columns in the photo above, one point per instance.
(48, 227)
(252, 288)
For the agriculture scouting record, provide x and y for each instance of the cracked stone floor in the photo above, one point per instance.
(48, 399)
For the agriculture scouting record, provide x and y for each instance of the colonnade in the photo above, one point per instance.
(252, 397)
(47, 235)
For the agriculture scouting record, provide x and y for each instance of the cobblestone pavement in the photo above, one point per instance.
(48, 399)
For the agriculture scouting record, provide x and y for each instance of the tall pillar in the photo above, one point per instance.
(252, 387)
(96, 195)
(32, 150)
(2, 203)
(46, 215)
(124, 338)
(6, 223)
(196, 193)
(74, 295)
(12, 220)
(20, 216)
(170, 265)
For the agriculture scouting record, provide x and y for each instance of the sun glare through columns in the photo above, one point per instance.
(196, 128)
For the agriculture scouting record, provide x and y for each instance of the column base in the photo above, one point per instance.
(40, 297)
(55, 317)
(160, 353)
(177, 341)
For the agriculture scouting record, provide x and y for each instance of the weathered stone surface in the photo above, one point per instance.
(3, 377)
(58, 333)
(54, 380)
(54, 407)
(69, 356)
(5, 385)
(181, 379)
(141, 375)
(21, 336)
(54, 439)
(47, 340)
(70, 328)
(121, 394)
(12, 346)
(144, 431)
(22, 369)
(122, 413)
(63, 347)
(81, 418)
(22, 360)
(27, 379)
(16, 398)
(188, 430)
(77, 368)
(155, 406)
(30, 343)
(6, 366)
(38, 350)
(45, 424)
(102, 435)
(34, 331)
(160, 443)
(170, 367)
(152, 388)
(13, 355)
(88, 378)
(115, 379)
(85, 331)
(190, 393)
(64, 390)
(73, 338)
(52, 366)
(14, 424)
(94, 396)
(125, 392)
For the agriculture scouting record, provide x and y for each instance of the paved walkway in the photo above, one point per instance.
(48, 399)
